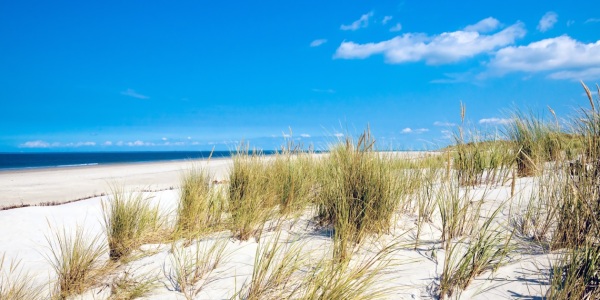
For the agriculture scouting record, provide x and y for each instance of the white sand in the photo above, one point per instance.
(23, 233)
(66, 184)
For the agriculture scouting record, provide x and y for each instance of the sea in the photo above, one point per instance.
(19, 161)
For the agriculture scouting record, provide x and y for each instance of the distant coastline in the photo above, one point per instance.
(37, 160)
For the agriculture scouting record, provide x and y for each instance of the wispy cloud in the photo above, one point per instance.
(107, 143)
(139, 143)
(35, 144)
(396, 27)
(338, 134)
(592, 20)
(363, 22)
(566, 57)
(386, 19)
(495, 121)
(305, 135)
(587, 74)
(408, 130)
(317, 43)
(44, 144)
(486, 25)
(134, 94)
(446, 47)
(443, 124)
(547, 21)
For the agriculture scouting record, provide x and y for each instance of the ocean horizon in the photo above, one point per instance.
(37, 160)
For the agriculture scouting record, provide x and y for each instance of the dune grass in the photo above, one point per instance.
(358, 194)
(275, 270)
(78, 261)
(535, 141)
(576, 275)
(192, 266)
(249, 206)
(469, 257)
(201, 206)
(128, 285)
(459, 209)
(351, 279)
(292, 177)
(130, 221)
(16, 284)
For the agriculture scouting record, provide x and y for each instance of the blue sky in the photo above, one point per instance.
(190, 75)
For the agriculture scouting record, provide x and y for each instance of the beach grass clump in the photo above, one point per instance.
(130, 221)
(77, 260)
(479, 157)
(16, 284)
(292, 178)
(579, 209)
(128, 285)
(538, 220)
(356, 279)
(358, 192)
(200, 207)
(192, 266)
(250, 206)
(469, 257)
(426, 201)
(276, 268)
(535, 142)
(470, 163)
(577, 274)
(459, 209)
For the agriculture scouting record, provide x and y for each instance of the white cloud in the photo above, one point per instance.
(108, 143)
(120, 143)
(592, 20)
(139, 143)
(587, 74)
(396, 27)
(35, 144)
(286, 135)
(447, 47)
(386, 19)
(443, 124)
(43, 144)
(189, 137)
(338, 134)
(305, 135)
(360, 23)
(547, 21)
(495, 121)
(486, 25)
(555, 54)
(164, 138)
(415, 131)
(134, 94)
(317, 43)
(570, 22)
(80, 144)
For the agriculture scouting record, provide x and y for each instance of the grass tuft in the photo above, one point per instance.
(76, 260)
(129, 221)
(358, 192)
(15, 284)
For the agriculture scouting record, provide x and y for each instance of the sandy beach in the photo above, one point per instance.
(59, 185)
